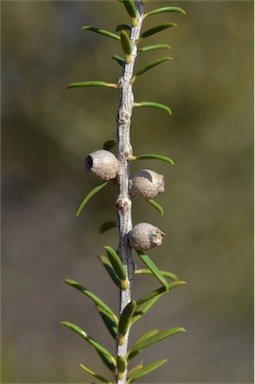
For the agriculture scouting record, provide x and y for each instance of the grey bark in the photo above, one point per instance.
(124, 151)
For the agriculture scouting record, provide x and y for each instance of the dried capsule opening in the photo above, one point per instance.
(157, 238)
(147, 175)
(102, 164)
(88, 163)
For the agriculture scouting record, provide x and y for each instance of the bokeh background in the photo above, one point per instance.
(46, 133)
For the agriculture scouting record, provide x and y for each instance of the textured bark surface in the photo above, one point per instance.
(124, 151)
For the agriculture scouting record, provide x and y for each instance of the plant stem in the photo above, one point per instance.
(123, 201)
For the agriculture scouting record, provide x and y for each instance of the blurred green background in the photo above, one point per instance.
(46, 133)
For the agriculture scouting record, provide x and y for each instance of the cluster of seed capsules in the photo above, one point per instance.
(145, 184)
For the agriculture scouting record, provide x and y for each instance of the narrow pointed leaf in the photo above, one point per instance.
(126, 45)
(123, 27)
(101, 32)
(93, 83)
(109, 323)
(133, 370)
(156, 205)
(153, 268)
(93, 297)
(96, 375)
(108, 363)
(153, 336)
(145, 370)
(145, 335)
(151, 156)
(167, 274)
(165, 9)
(117, 266)
(144, 308)
(131, 10)
(109, 268)
(157, 29)
(149, 66)
(154, 47)
(152, 104)
(159, 291)
(89, 195)
(107, 225)
(119, 60)
(125, 318)
(103, 353)
(160, 335)
(151, 295)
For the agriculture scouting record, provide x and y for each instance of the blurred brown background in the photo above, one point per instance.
(47, 131)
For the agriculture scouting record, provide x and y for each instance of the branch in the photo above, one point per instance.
(123, 201)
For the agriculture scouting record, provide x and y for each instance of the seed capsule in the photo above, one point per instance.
(145, 236)
(146, 184)
(102, 164)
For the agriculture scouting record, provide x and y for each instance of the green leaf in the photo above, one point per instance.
(89, 195)
(107, 225)
(154, 47)
(92, 84)
(151, 295)
(125, 318)
(157, 29)
(167, 274)
(117, 266)
(103, 353)
(123, 27)
(155, 205)
(101, 32)
(154, 269)
(130, 7)
(108, 266)
(163, 10)
(96, 375)
(160, 335)
(144, 308)
(159, 291)
(93, 297)
(152, 104)
(145, 370)
(151, 156)
(109, 144)
(121, 365)
(145, 335)
(109, 323)
(134, 369)
(148, 67)
(126, 45)
(119, 60)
